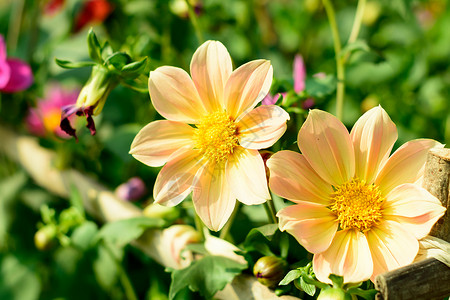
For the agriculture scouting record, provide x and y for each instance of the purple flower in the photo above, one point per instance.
(131, 190)
(15, 74)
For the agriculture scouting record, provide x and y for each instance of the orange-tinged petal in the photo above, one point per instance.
(414, 208)
(210, 69)
(406, 165)
(262, 127)
(313, 225)
(348, 256)
(158, 140)
(174, 95)
(247, 86)
(246, 176)
(213, 199)
(391, 247)
(175, 180)
(293, 178)
(326, 145)
(373, 137)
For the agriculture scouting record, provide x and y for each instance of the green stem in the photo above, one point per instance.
(270, 210)
(124, 279)
(357, 22)
(224, 233)
(199, 226)
(193, 18)
(340, 92)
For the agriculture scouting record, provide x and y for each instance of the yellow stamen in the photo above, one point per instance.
(216, 136)
(357, 205)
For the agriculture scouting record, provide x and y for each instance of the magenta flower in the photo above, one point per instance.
(15, 74)
(45, 118)
(299, 75)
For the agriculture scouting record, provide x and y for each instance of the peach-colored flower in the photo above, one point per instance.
(218, 157)
(359, 211)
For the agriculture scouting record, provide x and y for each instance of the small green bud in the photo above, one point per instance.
(270, 270)
(333, 293)
(156, 210)
(44, 238)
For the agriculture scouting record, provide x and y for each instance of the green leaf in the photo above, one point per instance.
(118, 60)
(95, 51)
(338, 281)
(83, 236)
(267, 231)
(366, 294)
(320, 87)
(73, 65)
(139, 84)
(357, 45)
(17, 280)
(258, 239)
(122, 232)
(310, 289)
(135, 68)
(76, 200)
(207, 276)
(197, 248)
(106, 268)
(290, 276)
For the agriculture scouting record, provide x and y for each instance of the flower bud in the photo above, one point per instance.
(131, 190)
(333, 293)
(156, 210)
(270, 270)
(44, 238)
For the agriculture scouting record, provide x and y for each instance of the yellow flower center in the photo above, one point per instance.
(357, 205)
(216, 136)
(51, 119)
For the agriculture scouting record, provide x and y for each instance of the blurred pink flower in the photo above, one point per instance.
(15, 74)
(299, 75)
(131, 190)
(45, 118)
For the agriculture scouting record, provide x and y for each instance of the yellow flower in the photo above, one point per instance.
(217, 157)
(358, 210)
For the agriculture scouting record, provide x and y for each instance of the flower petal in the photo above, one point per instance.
(210, 69)
(5, 73)
(21, 76)
(348, 256)
(246, 176)
(313, 225)
(213, 199)
(326, 145)
(262, 127)
(299, 74)
(175, 180)
(247, 85)
(373, 136)
(174, 95)
(293, 178)
(391, 247)
(414, 208)
(406, 165)
(159, 139)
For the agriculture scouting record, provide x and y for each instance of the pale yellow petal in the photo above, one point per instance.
(348, 256)
(210, 69)
(406, 165)
(174, 95)
(158, 140)
(247, 86)
(212, 196)
(313, 225)
(414, 208)
(391, 247)
(175, 180)
(293, 178)
(373, 137)
(246, 176)
(262, 127)
(326, 145)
